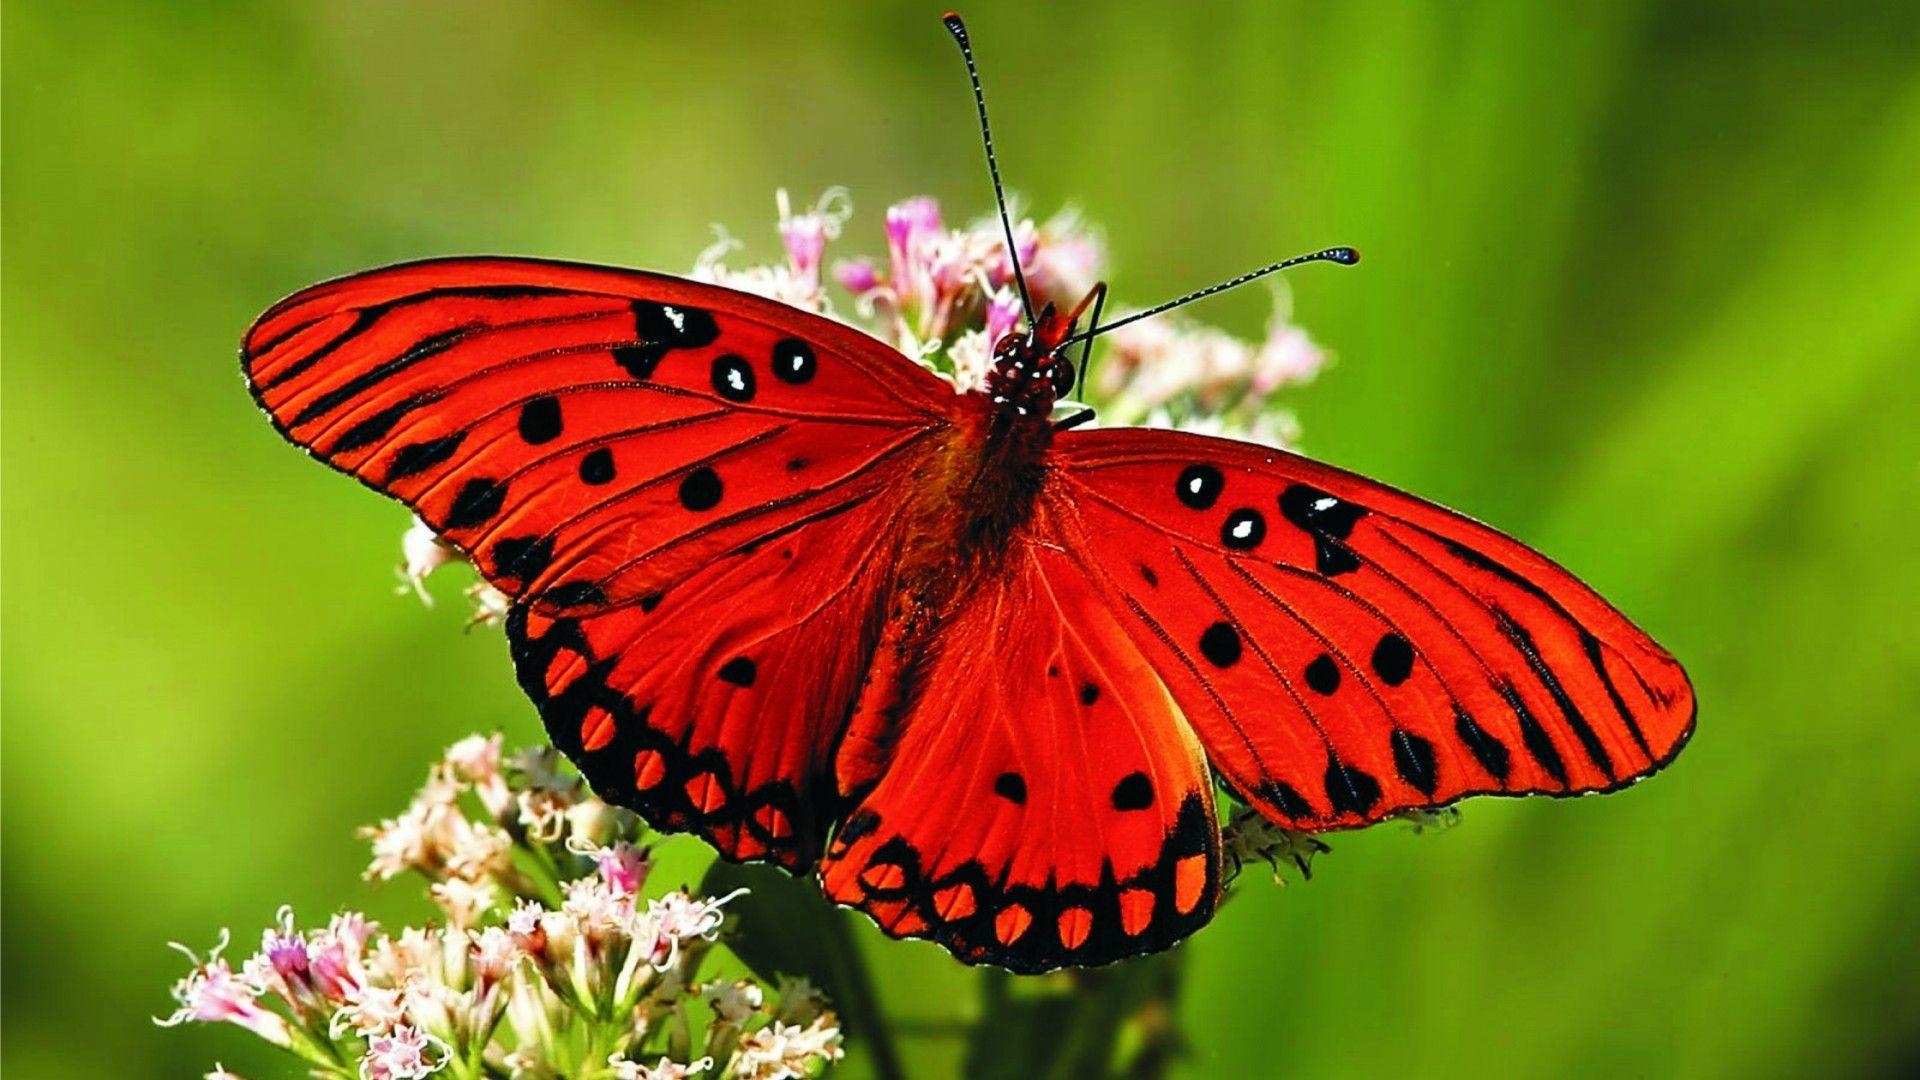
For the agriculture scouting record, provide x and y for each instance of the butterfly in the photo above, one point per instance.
(777, 585)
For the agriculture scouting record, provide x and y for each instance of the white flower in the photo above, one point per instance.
(677, 917)
(787, 1051)
(664, 1069)
(465, 902)
(370, 1011)
(544, 812)
(495, 951)
(422, 552)
(478, 852)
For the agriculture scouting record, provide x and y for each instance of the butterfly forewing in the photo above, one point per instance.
(1346, 651)
(588, 435)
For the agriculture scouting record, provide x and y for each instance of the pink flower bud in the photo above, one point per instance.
(624, 867)
(805, 235)
(857, 276)
(1003, 314)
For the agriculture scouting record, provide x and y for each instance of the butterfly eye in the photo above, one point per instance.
(1062, 375)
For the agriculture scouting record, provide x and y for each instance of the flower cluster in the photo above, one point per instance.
(551, 959)
(944, 295)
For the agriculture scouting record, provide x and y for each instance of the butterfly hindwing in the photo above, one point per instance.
(713, 707)
(588, 435)
(1041, 801)
(1345, 650)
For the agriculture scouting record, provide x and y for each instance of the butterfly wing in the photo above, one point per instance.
(588, 435)
(714, 709)
(677, 482)
(1039, 801)
(1345, 650)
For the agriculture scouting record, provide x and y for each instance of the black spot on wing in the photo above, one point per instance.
(700, 489)
(793, 361)
(1491, 753)
(1220, 644)
(419, 457)
(1393, 659)
(1243, 529)
(477, 501)
(540, 420)
(739, 671)
(1199, 486)
(1413, 760)
(1329, 520)
(1350, 790)
(1323, 675)
(1133, 792)
(660, 329)
(597, 467)
(522, 557)
(574, 594)
(1285, 799)
(732, 378)
(1012, 787)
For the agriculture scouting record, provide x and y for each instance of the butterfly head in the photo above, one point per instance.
(1031, 369)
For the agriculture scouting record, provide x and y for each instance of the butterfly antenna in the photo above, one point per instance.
(1345, 256)
(959, 31)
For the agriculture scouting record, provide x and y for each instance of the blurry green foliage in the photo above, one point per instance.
(1641, 287)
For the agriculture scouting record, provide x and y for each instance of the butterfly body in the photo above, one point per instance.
(777, 585)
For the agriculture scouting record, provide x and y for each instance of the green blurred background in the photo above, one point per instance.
(1642, 287)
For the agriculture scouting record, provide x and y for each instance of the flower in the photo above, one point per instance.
(476, 759)
(422, 552)
(610, 971)
(212, 993)
(465, 902)
(677, 918)
(803, 235)
(781, 1051)
(405, 1053)
(663, 1069)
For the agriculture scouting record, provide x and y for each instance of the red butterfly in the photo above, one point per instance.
(777, 585)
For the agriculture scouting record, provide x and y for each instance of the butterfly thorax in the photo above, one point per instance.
(977, 493)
